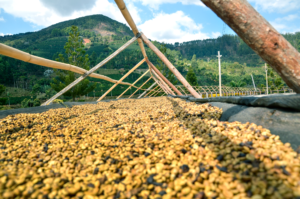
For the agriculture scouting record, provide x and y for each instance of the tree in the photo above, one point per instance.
(191, 77)
(274, 80)
(2, 89)
(35, 89)
(239, 83)
(163, 68)
(76, 56)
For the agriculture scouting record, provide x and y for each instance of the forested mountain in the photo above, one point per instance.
(102, 36)
(231, 47)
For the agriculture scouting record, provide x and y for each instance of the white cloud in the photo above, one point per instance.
(216, 34)
(2, 34)
(170, 28)
(2, 19)
(282, 24)
(281, 6)
(154, 4)
(40, 13)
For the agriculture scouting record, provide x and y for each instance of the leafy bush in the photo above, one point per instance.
(30, 103)
(36, 102)
(3, 101)
(81, 100)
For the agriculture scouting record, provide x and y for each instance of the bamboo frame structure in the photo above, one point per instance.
(163, 77)
(128, 73)
(133, 83)
(26, 57)
(147, 90)
(162, 82)
(170, 66)
(161, 85)
(91, 71)
(140, 87)
(152, 90)
(158, 90)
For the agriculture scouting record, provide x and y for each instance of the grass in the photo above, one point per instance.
(16, 92)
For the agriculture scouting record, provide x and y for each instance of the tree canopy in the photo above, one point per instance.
(77, 56)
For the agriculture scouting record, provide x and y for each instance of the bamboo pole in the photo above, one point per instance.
(163, 83)
(158, 93)
(131, 23)
(151, 90)
(140, 87)
(182, 90)
(170, 66)
(128, 73)
(259, 35)
(147, 90)
(26, 57)
(163, 77)
(90, 71)
(159, 89)
(133, 83)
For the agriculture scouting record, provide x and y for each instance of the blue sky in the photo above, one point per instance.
(163, 20)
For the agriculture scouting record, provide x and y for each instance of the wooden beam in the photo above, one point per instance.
(163, 78)
(163, 83)
(261, 36)
(91, 71)
(151, 90)
(128, 73)
(133, 83)
(131, 23)
(159, 89)
(147, 90)
(140, 87)
(26, 57)
(170, 66)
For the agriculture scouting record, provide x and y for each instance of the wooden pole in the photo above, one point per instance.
(163, 77)
(220, 75)
(26, 57)
(147, 90)
(153, 90)
(91, 71)
(259, 35)
(163, 86)
(158, 90)
(140, 87)
(128, 73)
(158, 93)
(266, 68)
(163, 83)
(131, 23)
(170, 66)
(133, 83)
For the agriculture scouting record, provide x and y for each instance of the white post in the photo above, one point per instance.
(267, 78)
(220, 81)
(253, 82)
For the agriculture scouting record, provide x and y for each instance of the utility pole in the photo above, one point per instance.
(220, 82)
(253, 82)
(266, 68)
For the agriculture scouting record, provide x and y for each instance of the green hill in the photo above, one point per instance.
(105, 35)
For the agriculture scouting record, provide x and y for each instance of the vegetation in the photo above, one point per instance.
(107, 35)
(75, 56)
(191, 77)
(2, 89)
